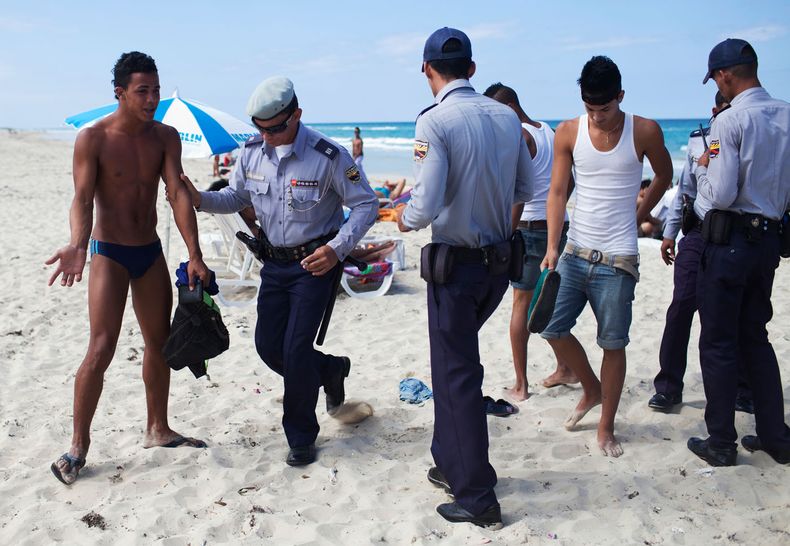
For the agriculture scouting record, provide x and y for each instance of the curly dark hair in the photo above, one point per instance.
(600, 81)
(129, 63)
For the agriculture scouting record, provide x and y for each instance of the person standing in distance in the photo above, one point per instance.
(118, 163)
(297, 180)
(530, 218)
(472, 166)
(743, 190)
(605, 149)
(677, 330)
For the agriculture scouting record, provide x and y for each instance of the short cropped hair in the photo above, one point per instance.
(502, 93)
(129, 63)
(645, 183)
(452, 68)
(720, 100)
(600, 80)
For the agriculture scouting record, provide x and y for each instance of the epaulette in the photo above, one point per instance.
(253, 140)
(434, 105)
(326, 148)
(722, 110)
(696, 133)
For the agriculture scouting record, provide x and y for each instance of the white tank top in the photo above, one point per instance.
(607, 184)
(544, 142)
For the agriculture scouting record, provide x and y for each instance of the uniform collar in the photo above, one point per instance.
(299, 144)
(749, 93)
(452, 86)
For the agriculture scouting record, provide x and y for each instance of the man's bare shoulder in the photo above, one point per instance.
(165, 132)
(647, 131)
(90, 138)
(565, 133)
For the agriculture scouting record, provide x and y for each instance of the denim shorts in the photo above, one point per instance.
(535, 243)
(610, 292)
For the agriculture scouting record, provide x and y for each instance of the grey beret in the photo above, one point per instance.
(272, 96)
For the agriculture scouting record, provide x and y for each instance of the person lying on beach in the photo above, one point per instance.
(117, 165)
(390, 190)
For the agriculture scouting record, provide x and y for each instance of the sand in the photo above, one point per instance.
(368, 485)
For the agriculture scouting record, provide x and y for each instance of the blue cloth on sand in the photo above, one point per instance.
(181, 280)
(414, 391)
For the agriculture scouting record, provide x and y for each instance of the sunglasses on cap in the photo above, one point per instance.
(274, 129)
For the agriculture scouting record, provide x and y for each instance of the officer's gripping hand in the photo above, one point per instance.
(194, 194)
(72, 262)
(668, 251)
(399, 212)
(704, 159)
(550, 260)
(321, 261)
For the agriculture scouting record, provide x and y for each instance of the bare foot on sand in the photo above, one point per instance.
(170, 438)
(609, 444)
(584, 406)
(558, 378)
(517, 394)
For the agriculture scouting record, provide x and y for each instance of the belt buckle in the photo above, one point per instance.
(596, 256)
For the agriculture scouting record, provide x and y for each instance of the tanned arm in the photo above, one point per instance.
(651, 140)
(72, 257)
(559, 190)
(181, 203)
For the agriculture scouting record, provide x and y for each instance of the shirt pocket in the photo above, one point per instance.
(259, 195)
(304, 206)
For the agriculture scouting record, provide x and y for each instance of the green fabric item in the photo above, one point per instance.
(536, 292)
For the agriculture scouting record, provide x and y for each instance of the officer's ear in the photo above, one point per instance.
(297, 115)
(472, 68)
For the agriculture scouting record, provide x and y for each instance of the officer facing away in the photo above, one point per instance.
(297, 181)
(743, 190)
(472, 166)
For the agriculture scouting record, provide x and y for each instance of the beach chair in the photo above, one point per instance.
(240, 269)
(376, 280)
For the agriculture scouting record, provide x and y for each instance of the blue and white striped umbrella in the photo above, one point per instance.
(204, 130)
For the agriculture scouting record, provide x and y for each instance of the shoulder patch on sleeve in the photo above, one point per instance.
(326, 148)
(420, 150)
(352, 173)
(715, 148)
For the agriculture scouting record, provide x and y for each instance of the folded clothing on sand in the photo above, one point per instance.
(414, 391)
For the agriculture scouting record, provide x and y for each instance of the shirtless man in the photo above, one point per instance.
(356, 148)
(600, 264)
(118, 163)
(530, 219)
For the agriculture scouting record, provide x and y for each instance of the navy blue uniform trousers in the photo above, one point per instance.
(291, 303)
(456, 312)
(734, 288)
(677, 330)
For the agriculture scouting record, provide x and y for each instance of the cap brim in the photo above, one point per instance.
(707, 77)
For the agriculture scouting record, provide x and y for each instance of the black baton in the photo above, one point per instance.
(319, 340)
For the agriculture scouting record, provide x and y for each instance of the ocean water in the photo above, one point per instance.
(388, 146)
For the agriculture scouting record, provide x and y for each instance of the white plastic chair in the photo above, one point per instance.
(353, 284)
(241, 268)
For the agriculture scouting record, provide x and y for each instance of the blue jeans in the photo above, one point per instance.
(535, 242)
(610, 292)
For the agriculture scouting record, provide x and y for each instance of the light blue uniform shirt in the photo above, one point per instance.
(299, 198)
(749, 169)
(687, 184)
(472, 166)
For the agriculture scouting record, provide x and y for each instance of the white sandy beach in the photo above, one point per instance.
(368, 485)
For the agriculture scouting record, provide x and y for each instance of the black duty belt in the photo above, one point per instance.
(293, 253)
(466, 255)
(757, 221)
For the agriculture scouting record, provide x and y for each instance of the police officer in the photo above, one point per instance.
(296, 179)
(677, 330)
(472, 166)
(743, 190)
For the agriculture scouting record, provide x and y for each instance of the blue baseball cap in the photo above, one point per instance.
(436, 42)
(728, 53)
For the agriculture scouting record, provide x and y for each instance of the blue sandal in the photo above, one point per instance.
(75, 463)
(499, 408)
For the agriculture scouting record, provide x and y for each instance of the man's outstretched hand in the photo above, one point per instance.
(71, 262)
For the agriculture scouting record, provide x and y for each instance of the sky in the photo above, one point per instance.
(359, 61)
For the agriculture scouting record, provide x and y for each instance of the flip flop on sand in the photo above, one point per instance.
(499, 408)
(185, 441)
(75, 465)
(541, 308)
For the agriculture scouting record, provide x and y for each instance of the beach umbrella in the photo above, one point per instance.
(204, 130)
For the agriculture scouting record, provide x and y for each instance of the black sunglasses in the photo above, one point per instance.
(274, 129)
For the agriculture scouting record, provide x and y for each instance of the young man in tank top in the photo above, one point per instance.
(530, 219)
(605, 149)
